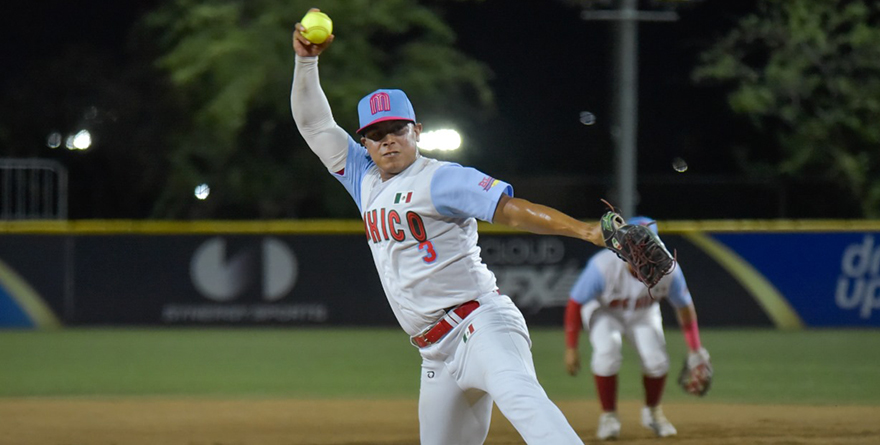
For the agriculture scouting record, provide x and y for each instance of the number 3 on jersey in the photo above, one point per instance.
(428, 248)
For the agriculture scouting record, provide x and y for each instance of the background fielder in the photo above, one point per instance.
(420, 222)
(613, 305)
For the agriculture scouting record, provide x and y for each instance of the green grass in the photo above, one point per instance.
(751, 366)
(221, 362)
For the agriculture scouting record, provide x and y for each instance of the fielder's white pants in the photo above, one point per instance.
(642, 328)
(460, 380)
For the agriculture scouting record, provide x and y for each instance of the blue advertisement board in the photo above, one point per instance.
(830, 279)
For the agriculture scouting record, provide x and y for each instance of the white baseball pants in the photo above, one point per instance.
(469, 369)
(642, 328)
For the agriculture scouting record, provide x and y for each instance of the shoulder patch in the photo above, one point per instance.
(488, 182)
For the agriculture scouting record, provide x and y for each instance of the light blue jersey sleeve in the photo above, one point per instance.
(589, 285)
(465, 192)
(357, 163)
(679, 295)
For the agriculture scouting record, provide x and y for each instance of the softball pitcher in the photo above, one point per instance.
(613, 305)
(420, 221)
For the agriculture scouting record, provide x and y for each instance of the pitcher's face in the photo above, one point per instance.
(392, 145)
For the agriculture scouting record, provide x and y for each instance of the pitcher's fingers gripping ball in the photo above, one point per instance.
(638, 246)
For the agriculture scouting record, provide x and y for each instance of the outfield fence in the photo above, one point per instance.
(788, 274)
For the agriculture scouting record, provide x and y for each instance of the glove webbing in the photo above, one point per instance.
(641, 253)
(640, 256)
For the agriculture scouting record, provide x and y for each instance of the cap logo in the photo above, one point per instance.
(380, 102)
(384, 105)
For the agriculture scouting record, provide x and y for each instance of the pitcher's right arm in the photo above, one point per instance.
(310, 108)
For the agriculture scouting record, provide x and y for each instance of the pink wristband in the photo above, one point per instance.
(692, 335)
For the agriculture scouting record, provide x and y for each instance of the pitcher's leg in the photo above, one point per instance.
(448, 415)
(501, 358)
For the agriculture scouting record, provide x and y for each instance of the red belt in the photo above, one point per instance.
(441, 328)
(625, 303)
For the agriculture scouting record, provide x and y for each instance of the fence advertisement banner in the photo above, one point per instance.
(33, 280)
(538, 272)
(829, 279)
(227, 280)
(788, 280)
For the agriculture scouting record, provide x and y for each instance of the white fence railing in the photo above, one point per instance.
(32, 189)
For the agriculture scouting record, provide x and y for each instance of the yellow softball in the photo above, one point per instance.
(318, 26)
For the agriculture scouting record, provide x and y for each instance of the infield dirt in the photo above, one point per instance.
(142, 421)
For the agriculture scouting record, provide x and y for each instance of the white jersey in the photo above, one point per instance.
(420, 224)
(607, 282)
(421, 227)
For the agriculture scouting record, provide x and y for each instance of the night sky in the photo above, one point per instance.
(549, 65)
(542, 84)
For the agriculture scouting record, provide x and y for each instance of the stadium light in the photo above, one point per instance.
(82, 140)
(440, 140)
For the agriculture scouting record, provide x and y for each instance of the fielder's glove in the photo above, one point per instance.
(696, 375)
(638, 246)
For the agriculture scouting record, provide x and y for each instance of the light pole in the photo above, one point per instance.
(626, 106)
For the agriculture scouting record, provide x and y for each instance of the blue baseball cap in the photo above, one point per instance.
(643, 221)
(384, 105)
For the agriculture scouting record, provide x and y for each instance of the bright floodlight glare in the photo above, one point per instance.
(202, 191)
(441, 140)
(82, 140)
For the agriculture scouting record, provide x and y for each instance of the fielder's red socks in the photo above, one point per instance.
(653, 389)
(607, 389)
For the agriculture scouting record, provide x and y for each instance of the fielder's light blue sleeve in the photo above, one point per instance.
(465, 192)
(589, 285)
(679, 295)
(357, 163)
